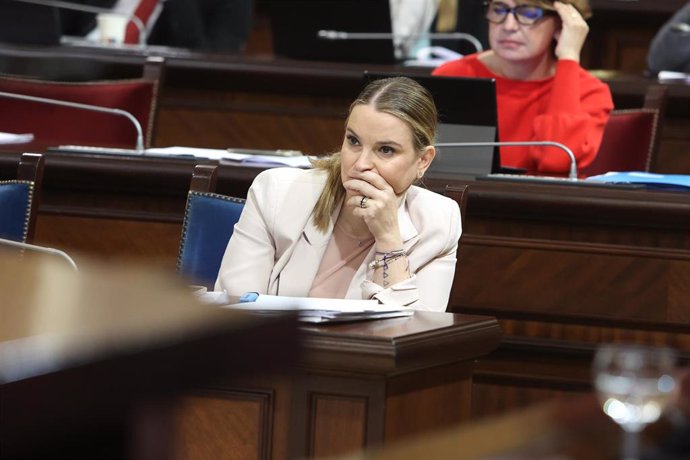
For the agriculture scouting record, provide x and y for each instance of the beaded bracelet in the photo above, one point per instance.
(386, 258)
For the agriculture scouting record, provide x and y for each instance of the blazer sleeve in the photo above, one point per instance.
(433, 262)
(249, 257)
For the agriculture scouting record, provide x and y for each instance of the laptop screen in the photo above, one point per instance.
(295, 26)
(467, 113)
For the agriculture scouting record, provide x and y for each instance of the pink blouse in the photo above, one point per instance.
(344, 255)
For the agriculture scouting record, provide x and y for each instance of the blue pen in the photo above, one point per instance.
(249, 297)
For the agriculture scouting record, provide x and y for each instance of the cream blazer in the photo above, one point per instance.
(276, 249)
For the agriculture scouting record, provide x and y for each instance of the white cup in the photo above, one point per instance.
(112, 28)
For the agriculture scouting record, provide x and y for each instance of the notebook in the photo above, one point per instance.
(467, 113)
(295, 26)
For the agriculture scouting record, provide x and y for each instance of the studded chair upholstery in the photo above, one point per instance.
(631, 137)
(460, 194)
(209, 220)
(19, 200)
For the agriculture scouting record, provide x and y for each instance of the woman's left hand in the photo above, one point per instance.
(573, 34)
(380, 209)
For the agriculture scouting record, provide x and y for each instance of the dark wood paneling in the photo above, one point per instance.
(565, 269)
(358, 385)
(111, 239)
(428, 409)
(621, 31)
(338, 425)
(571, 283)
(499, 399)
(284, 127)
(219, 424)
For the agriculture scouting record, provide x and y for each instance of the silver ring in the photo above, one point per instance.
(363, 202)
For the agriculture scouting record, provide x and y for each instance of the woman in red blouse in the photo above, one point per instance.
(542, 92)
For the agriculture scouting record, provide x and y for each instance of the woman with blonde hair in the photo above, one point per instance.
(543, 94)
(354, 226)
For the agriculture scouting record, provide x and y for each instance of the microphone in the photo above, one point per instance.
(572, 174)
(77, 105)
(40, 249)
(341, 35)
(93, 9)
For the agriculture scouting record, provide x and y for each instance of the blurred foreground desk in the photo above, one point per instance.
(90, 362)
(574, 428)
(358, 385)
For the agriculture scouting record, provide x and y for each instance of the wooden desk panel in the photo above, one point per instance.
(564, 269)
(359, 385)
(621, 31)
(114, 207)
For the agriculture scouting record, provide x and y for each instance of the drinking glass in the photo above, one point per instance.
(634, 384)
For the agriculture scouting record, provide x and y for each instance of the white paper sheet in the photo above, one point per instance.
(297, 161)
(276, 302)
(320, 310)
(10, 138)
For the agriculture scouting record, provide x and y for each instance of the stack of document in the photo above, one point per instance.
(319, 310)
(259, 158)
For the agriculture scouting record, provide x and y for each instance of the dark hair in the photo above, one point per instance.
(401, 97)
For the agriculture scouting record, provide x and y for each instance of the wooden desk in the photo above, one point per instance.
(116, 207)
(90, 360)
(565, 268)
(358, 385)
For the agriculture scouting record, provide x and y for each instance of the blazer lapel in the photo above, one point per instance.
(298, 274)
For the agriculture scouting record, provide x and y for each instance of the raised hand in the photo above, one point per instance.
(571, 37)
(375, 201)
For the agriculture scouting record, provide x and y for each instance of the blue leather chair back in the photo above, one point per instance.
(209, 220)
(15, 209)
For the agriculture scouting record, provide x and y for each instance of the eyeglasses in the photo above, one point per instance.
(497, 12)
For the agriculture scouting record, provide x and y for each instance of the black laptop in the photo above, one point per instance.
(467, 113)
(295, 26)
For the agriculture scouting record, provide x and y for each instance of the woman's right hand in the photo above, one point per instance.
(380, 213)
(571, 38)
